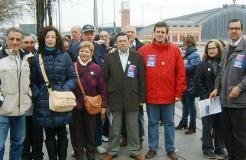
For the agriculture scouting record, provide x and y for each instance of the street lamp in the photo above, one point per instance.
(143, 4)
(161, 7)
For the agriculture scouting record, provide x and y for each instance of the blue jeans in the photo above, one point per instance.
(189, 108)
(165, 113)
(17, 127)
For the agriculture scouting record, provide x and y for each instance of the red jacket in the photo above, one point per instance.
(165, 73)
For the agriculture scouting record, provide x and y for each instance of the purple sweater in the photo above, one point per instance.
(92, 79)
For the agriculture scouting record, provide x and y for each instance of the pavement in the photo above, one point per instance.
(188, 146)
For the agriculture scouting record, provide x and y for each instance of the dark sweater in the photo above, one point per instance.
(91, 77)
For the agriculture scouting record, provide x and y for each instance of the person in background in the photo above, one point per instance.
(33, 144)
(231, 82)
(84, 125)
(74, 42)
(212, 134)
(124, 76)
(61, 76)
(191, 60)
(135, 44)
(65, 44)
(15, 92)
(165, 85)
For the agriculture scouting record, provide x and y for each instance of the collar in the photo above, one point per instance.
(82, 63)
(123, 53)
(237, 42)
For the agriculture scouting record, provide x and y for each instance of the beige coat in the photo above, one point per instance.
(15, 89)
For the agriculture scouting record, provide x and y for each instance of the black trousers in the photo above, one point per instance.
(235, 132)
(56, 142)
(83, 134)
(212, 134)
(33, 144)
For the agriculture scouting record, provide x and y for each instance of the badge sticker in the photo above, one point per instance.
(151, 60)
(239, 61)
(131, 71)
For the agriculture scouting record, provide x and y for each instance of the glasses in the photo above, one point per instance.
(235, 28)
(212, 48)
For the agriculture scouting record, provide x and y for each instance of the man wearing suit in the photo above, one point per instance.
(124, 75)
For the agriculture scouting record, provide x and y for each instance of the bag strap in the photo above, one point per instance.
(46, 80)
(79, 82)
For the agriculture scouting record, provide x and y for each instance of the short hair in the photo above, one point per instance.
(161, 24)
(87, 44)
(13, 29)
(235, 20)
(218, 45)
(41, 39)
(121, 34)
(189, 41)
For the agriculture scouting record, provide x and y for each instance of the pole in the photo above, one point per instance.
(114, 20)
(59, 15)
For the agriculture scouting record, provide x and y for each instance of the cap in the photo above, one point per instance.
(87, 28)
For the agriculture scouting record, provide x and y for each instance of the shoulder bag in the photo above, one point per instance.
(93, 104)
(59, 101)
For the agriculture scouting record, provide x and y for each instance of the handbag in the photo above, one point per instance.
(59, 101)
(93, 104)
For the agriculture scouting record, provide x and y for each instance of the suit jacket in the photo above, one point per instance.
(125, 91)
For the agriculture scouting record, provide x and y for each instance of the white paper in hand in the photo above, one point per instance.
(208, 107)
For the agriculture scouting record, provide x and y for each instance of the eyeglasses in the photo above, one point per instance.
(235, 28)
(212, 48)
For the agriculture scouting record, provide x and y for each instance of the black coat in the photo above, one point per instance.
(124, 92)
(205, 76)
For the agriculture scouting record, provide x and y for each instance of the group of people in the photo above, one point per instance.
(126, 74)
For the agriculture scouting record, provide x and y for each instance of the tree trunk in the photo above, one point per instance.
(40, 15)
(49, 9)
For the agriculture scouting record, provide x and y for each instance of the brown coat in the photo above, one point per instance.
(124, 92)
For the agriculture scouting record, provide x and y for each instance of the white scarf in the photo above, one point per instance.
(82, 63)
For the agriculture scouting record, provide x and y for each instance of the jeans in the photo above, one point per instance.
(189, 108)
(17, 127)
(165, 113)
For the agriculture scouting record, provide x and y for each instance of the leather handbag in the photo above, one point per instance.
(59, 101)
(93, 104)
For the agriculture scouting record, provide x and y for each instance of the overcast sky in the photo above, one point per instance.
(80, 12)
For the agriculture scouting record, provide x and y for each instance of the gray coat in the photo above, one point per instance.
(124, 92)
(234, 74)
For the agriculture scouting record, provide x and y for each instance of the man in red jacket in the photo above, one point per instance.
(165, 85)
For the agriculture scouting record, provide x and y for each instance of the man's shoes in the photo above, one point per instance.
(190, 130)
(172, 155)
(137, 157)
(108, 157)
(209, 154)
(150, 154)
(101, 149)
(123, 142)
(181, 125)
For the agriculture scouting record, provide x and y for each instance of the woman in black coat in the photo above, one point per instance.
(204, 80)
(59, 69)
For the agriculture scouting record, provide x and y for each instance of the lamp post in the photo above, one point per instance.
(161, 7)
(143, 4)
(114, 20)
